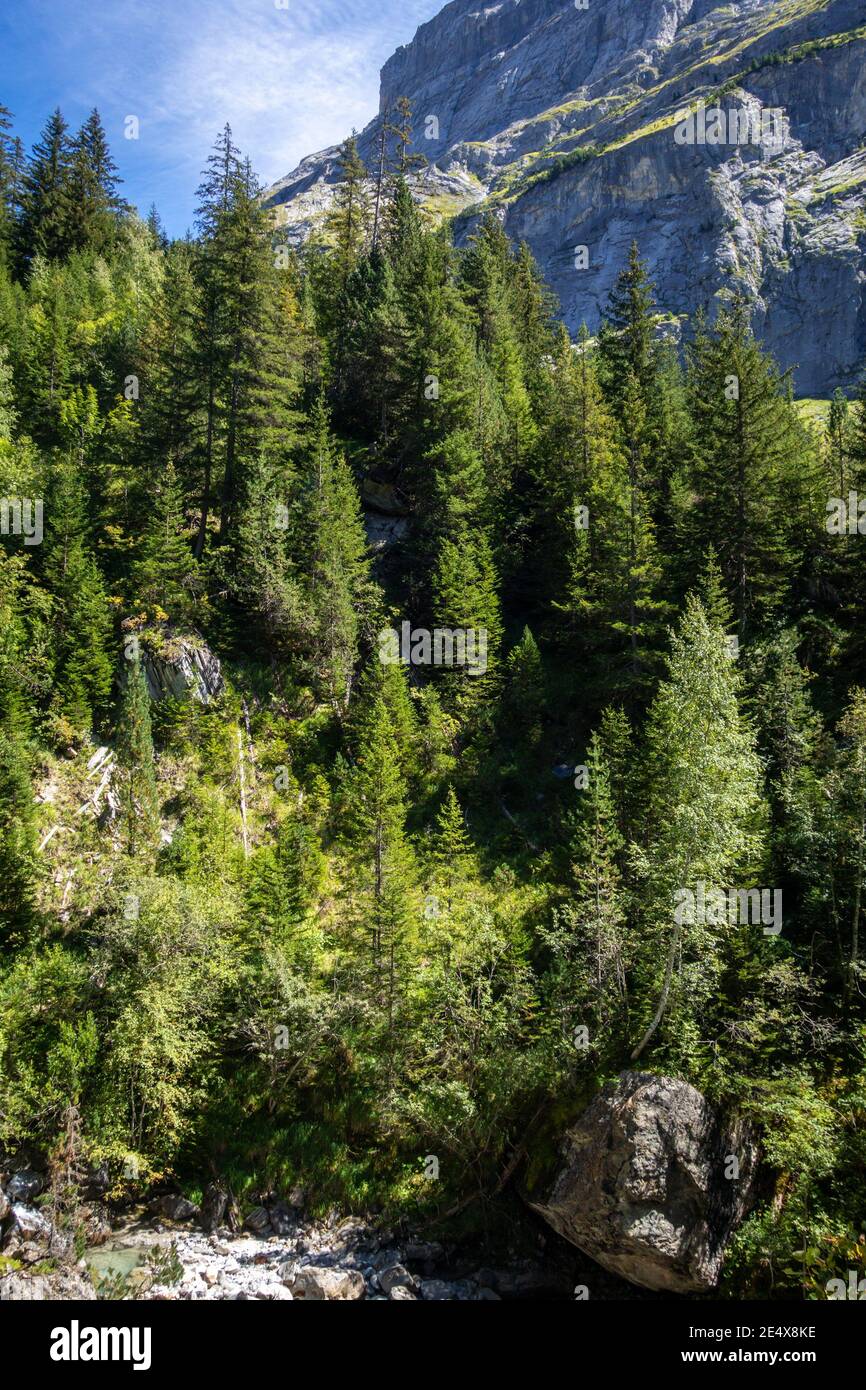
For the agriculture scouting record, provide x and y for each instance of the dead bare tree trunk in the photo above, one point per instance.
(243, 791)
(665, 995)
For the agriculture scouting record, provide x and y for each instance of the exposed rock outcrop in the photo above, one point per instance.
(62, 1284)
(651, 1184)
(563, 120)
(173, 1207)
(214, 1205)
(180, 665)
(24, 1185)
(38, 1259)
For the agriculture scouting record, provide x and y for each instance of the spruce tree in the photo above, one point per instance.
(47, 351)
(281, 885)
(386, 679)
(617, 747)
(754, 467)
(838, 564)
(18, 855)
(581, 512)
(839, 442)
(265, 576)
(587, 982)
(451, 844)
(93, 198)
(704, 804)
(348, 220)
(452, 850)
(602, 564)
(405, 161)
(8, 413)
(627, 340)
(80, 612)
(465, 600)
(239, 247)
(384, 870)
(711, 591)
(46, 225)
(18, 850)
(173, 406)
(134, 747)
(485, 270)
(533, 314)
(641, 380)
(333, 560)
(275, 363)
(857, 437)
(793, 747)
(8, 193)
(524, 690)
(250, 355)
(156, 228)
(640, 560)
(216, 350)
(488, 272)
(163, 575)
(847, 790)
(382, 171)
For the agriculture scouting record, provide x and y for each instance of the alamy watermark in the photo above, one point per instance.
(718, 907)
(77, 1343)
(441, 646)
(846, 517)
(855, 1289)
(21, 516)
(737, 125)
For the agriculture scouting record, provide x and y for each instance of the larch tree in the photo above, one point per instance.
(134, 748)
(704, 803)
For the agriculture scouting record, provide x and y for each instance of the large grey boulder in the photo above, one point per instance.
(30, 1239)
(259, 1222)
(651, 1184)
(173, 1207)
(317, 1284)
(27, 1234)
(214, 1205)
(393, 1276)
(24, 1186)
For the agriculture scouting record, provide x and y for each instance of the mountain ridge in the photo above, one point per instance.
(563, 121)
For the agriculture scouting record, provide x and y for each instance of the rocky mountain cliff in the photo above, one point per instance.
(566, 117)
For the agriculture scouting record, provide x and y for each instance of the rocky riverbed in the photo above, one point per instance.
(142, 1256)
(331, 1260)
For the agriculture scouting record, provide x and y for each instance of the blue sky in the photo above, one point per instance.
(289, 81)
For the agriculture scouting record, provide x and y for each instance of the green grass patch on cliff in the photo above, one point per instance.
(796, 54)
(813, 409)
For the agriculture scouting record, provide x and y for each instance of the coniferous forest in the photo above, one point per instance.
(348, 916)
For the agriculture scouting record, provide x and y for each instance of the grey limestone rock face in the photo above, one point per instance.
(563, 121)
(182, 666)
(646, 1185)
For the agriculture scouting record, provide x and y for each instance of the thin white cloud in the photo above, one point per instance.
(288, 81)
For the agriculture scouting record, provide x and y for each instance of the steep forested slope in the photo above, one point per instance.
(345, 914)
